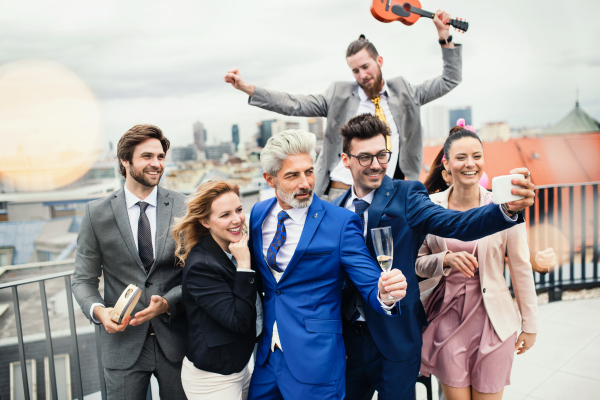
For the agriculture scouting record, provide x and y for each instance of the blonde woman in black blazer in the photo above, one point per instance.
(219, 294)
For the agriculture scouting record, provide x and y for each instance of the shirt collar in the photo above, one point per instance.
(363, 96)
(296, 214)
(368, 198)
(131, 199)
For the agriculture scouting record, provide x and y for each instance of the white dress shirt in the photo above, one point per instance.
(133, 211)
(342, 174)
(293, 230)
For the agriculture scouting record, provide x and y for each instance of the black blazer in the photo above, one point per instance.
(221, 310)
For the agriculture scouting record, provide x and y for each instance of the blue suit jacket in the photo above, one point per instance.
(306, 301)
(406, 207)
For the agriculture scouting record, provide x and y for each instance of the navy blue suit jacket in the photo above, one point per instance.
(406, 207)
(307, 299)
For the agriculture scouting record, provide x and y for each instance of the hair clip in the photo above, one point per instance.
(443, 158)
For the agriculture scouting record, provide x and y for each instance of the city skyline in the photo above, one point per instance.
(158, 68)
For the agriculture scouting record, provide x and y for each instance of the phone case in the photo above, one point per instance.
(501, 188)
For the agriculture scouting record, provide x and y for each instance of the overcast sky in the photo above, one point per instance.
(162, 62)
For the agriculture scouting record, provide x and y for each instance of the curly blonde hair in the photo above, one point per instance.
(188, 230)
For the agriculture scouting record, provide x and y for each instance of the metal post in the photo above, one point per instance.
(554, 293)
(541, 203)
(571, 237)
(560, 241)
(74, 345)
(595, 205)
(100, 367)
(49, 351)
(583, 229)
(15, 296)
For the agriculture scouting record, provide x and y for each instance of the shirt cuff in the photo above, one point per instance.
(244, 270)
(386, 308)
(94, 320)
(506, 217)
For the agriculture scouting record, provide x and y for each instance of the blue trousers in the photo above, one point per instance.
(273, 380)
(368, 370)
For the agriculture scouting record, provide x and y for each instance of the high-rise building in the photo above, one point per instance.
(181, 154)
(235, 135)
(215, 152)
(199, 135)
(281, 125)
(315, 125)
(434, 122)
(264, 128)
(457, 113)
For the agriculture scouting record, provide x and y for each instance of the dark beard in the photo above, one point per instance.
(141, 178)
(376, 87)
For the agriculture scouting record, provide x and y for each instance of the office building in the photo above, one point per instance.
(315, 125)
(434, 124)
(265, 131)
(184, 153)
(199, 135)
(457, 113)
(235, 135)
(216, 152)
(494, 131)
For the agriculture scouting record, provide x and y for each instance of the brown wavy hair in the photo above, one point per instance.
(188, 231)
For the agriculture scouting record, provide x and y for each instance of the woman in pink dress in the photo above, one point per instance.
(472, 334)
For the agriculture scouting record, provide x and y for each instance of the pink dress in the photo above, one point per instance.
(460, 346)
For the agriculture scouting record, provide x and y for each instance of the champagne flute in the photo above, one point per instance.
(384, 249)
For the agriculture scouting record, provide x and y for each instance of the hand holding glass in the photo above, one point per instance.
(384, 250)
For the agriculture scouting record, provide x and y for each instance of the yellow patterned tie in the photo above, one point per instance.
(379, 114)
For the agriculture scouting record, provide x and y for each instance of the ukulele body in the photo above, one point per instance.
(382, 11)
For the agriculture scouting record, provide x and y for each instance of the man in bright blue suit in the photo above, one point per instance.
(385, 354)
(303, 248)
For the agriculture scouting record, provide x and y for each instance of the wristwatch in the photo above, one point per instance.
(509, 212)
(445, 41)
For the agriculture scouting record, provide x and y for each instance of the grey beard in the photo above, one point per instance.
(289, 198)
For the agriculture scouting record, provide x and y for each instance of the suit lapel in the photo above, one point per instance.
(313, 219)
(353, 103)
(119, 208)
(257, 234)
(483, 242)
(212, 248)
(164, 211)
(394, 104)
(382, 197)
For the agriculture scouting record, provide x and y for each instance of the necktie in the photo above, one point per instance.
(379, 114)
(359, 207)
(145, 238)
(277, 242)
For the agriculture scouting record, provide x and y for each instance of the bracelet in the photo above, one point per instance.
(507, 211)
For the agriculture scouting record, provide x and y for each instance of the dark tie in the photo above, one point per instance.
(277, 242)
(145, 237)
(359, 207)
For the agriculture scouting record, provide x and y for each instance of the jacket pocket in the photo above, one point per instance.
(323, 325)
(220, 338)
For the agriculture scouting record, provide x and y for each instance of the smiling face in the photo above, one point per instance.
(465, 162)
(226, 219)
(294, 182)
(147, 164)
(368, 178)
(367, 72)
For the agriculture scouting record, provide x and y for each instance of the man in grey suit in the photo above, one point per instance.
(395, 100)
(127, 238)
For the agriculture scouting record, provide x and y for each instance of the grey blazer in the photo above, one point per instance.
(105, 245)
(340, 103)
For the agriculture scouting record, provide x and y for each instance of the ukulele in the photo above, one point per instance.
(407, 12)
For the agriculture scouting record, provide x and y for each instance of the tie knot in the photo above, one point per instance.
(360, 205)
(375, 100)
(282, 216)
(143, 205)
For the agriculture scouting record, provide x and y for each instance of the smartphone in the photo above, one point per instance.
(501, 188)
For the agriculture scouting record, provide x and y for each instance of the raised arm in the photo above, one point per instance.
(452, 71)
(280, 102)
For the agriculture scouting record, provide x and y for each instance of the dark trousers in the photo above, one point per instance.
(368, 370)
(132, 383)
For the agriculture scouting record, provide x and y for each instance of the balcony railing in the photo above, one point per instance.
(564, 217)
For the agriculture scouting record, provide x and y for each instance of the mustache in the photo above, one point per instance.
(302, 191)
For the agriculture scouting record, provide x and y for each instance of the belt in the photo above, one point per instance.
(339, 185)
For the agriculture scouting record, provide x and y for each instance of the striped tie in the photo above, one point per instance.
(278, 241)
(145, 238)
(379, 114)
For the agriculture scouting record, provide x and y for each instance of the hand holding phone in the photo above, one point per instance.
(502, 187)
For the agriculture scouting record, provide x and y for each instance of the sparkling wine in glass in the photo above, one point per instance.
(384, 249)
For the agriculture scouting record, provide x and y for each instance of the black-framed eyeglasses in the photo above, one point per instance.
(365, 160)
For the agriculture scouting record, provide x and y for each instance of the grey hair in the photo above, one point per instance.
(284, 144)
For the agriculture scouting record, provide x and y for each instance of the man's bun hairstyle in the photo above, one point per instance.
(362, 43)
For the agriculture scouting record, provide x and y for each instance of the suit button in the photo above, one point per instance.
(278, 292)
(250, 280)
(148, 284)
(483, 290)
